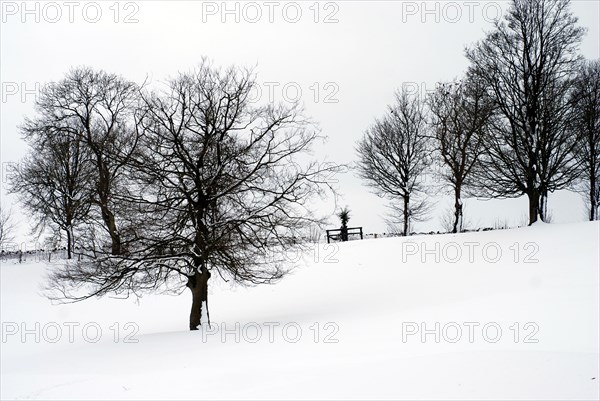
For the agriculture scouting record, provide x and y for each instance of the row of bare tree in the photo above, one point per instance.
(525, 120)
(159, 188)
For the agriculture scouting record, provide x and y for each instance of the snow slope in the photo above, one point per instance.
(508, 314)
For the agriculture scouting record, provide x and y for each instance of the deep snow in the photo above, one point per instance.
(348, 323)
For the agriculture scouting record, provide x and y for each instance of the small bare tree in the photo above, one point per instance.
(97, 109)
(6, 227)
(344, 216)
(53, 185)
(394, 155)
(460, 113)
(585, 123)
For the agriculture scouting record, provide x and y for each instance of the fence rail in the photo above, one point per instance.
(339, 235)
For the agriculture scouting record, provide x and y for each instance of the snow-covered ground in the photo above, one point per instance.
(510, 314)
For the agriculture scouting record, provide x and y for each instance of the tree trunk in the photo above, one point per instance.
(593, 204)
(69, 242)
(104, 189)
(458, 211)
(534, 205)
(406, 216)
(198, 285)
(109, 220)
(543, 206)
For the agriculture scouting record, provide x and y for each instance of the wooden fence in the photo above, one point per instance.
(338, 235)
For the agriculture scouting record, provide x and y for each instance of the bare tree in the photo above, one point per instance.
(460, 113)
(448, 219)
(394, 156)
(527, 63)
(218, 193)
(96, 108)
(585, 123)
(53, 185)
(6, 227)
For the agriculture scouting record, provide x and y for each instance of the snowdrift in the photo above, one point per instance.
(511, 314)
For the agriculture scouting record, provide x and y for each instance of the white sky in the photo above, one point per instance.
(366, 51)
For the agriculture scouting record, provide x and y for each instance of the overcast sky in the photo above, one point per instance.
(346, 58)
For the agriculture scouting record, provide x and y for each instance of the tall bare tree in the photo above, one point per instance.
(393, 157)
(527, 63)
(96, 108)
(460, 114)
(218, 193)
(585, 123)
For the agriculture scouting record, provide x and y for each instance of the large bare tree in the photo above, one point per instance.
(585, 122)
(527, 63)
(394, 155)
(460, 113)
(222, 185)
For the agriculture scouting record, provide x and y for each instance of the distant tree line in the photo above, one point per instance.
(524, 120)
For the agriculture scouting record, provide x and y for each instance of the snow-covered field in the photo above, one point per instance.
(508, 314)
